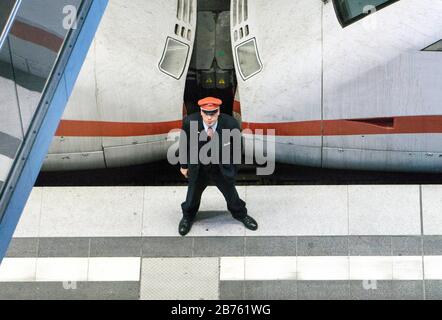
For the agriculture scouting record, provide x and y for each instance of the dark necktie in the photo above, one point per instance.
(210, 132)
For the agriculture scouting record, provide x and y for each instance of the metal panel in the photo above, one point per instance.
(374, 68)
(382, 160)
(205, 41)
(388, 142)
(223, 51)
(74, 161)
(136, 154)
(289, 86)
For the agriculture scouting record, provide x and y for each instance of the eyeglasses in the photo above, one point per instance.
(210, 113)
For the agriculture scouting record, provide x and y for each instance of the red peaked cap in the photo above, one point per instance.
(210, 103)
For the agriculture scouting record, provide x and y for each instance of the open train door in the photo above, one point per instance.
(132, 84)
(277, 48)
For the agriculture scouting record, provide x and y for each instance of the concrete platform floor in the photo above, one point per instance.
(313, 242)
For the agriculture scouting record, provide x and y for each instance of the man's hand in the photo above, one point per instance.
(184, 172)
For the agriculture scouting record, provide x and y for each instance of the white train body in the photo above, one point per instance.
(360, 96)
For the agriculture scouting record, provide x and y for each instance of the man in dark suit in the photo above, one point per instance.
(209, 124)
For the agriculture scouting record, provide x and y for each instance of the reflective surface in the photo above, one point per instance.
(435, 47)
(26, 59)
(7, 11)
(352, 10)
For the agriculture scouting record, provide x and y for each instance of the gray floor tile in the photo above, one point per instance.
(218, 247)
(270, 290)
(377, 209)
(167, 246)
(433, 289)
(18, 290)
(406, 246)
(301, 210)
(22, 248)
(323, 290)
(433, 245)
(116, 247)
(63, 247)
(28, 225)
(61, 291)
(370, 246)
(373, 290)
(270, 246)
(231, 290)
(431, 209)
(180, 278)
(91, 212)
(212, 219)
(89, 291)
(322, 246)
(408, 290)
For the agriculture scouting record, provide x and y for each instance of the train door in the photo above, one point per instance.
(211, 71)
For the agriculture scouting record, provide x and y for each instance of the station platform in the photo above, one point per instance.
(313, 242)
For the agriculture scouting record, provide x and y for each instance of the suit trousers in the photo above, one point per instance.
(207, 173)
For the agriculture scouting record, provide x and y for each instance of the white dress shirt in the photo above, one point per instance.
(206, 127)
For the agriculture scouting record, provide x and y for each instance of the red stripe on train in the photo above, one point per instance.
(393, 125)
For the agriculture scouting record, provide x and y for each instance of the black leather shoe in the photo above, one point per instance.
(185, 225)
(249, 222)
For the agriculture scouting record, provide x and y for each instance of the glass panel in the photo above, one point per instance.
(7, 11)
(350, 10)
(174, 58)
(11, 132)
(36, 39)
(435, 47)
(27, 59)
(249, 63)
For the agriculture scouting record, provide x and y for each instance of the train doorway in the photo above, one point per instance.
(212, 70)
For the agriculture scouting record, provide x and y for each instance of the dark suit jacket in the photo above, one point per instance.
(229, 170)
